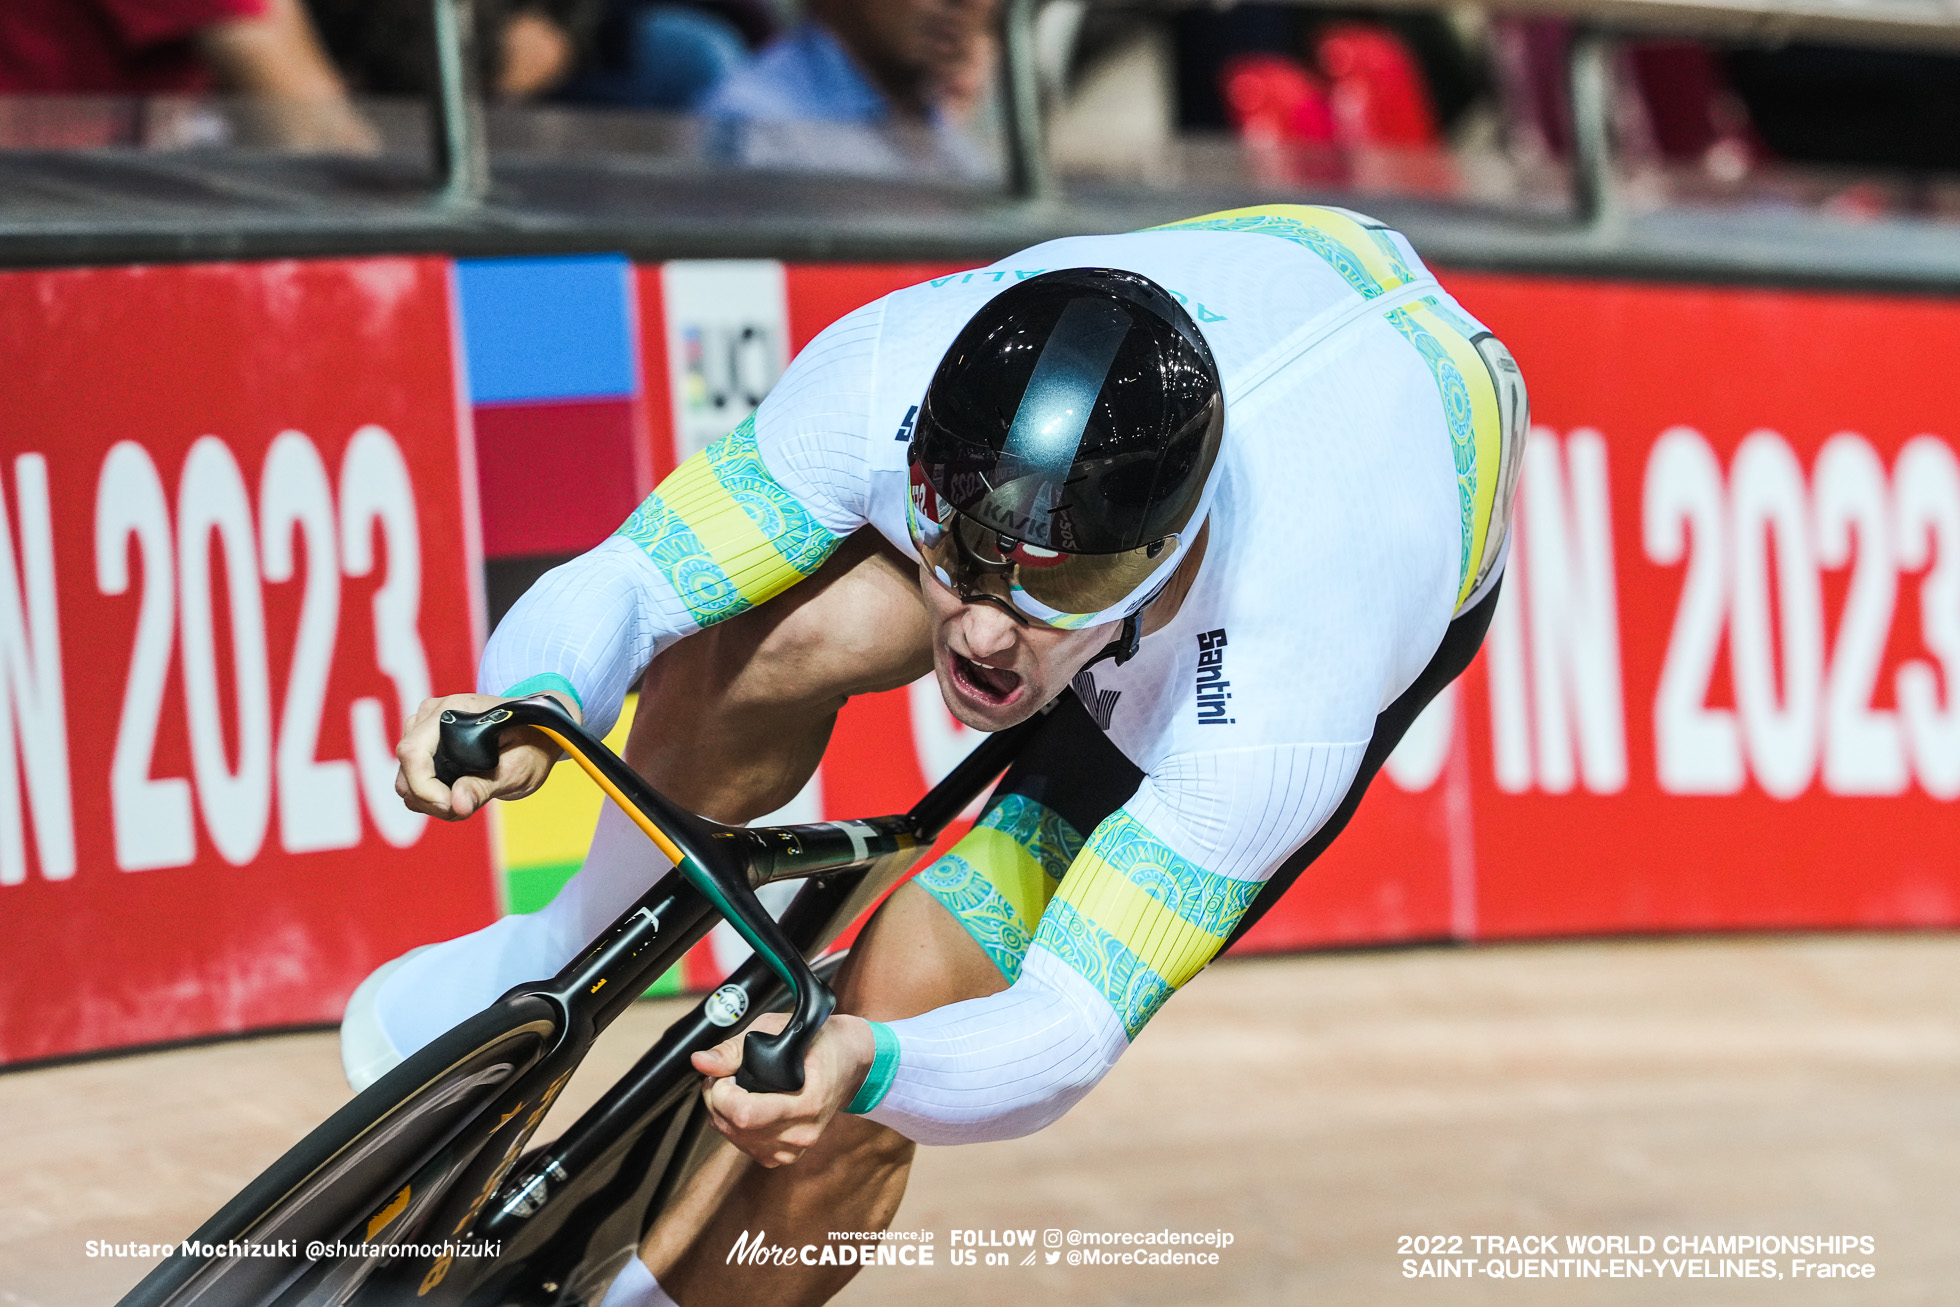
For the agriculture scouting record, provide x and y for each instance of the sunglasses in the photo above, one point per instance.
(1043, 586)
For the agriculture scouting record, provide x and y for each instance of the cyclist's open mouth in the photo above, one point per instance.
(995, 686)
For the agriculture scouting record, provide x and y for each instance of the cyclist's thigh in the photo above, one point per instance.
(737, 713)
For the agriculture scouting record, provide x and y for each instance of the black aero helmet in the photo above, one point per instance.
(1078, 413)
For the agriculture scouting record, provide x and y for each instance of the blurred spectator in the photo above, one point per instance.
(1727, 113)
(1529, 56)
(536, 51)
(1414, 67)
(265, 49)
(1673, 100)
(1378, 95)
(1318, 99)
(1822, 104)
(1693, 114)
(666, 55)
(524, 48)
(866, 65)
(1274, 100)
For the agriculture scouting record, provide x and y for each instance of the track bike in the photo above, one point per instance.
(396, 1197)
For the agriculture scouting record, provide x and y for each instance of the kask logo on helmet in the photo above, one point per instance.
(1004, 519)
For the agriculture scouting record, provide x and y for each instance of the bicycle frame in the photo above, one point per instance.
(430, 1153)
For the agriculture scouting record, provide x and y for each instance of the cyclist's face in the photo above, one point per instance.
(994, 667)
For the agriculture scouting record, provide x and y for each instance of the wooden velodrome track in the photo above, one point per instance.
(1319, 1108)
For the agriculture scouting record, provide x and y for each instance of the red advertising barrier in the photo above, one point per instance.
(1727, 692)
(237, 542)
(1722, 689)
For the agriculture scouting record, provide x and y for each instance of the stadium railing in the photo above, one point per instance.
(455, 178)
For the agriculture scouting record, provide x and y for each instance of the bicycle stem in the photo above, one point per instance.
(718, 868)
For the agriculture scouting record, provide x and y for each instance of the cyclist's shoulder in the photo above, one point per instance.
(1318, 252)
(1241, 266)
(1249, 278)
(1269, 235)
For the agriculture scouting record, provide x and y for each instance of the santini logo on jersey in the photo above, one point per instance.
(1214, 691)
(905, 427)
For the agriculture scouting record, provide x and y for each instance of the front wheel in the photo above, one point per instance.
(348, 1179)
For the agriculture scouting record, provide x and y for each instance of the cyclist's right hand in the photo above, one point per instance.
(524, 761)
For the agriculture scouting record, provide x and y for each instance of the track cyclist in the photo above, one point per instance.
(1236, 491)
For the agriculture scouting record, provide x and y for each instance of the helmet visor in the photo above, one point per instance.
(1067, 591)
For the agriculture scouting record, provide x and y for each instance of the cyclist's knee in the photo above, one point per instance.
(914, 956)
(863, 1144)
(859, 625)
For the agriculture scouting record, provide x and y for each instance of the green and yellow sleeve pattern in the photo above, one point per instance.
(1001, 875)
(1137, 920)
(725, 533)
(1363, 255)
(1124, 910)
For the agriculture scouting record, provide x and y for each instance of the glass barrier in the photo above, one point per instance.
(394, 125)
(1522, 182)
(893, 151)
(398, 128)
(1218, 164)
(1116, 125)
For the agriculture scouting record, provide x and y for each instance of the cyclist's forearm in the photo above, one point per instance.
(997, 1067)
(1132, 922)
(1139, 912)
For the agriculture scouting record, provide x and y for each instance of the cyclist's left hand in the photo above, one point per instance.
(775, 1129)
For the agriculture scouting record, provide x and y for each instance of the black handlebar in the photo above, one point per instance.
(468, 746)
